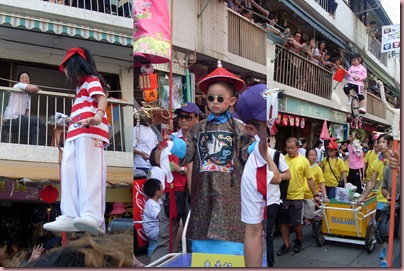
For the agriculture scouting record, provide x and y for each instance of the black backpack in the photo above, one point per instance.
(383, 225)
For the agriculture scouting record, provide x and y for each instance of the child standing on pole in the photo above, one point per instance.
(83, 169)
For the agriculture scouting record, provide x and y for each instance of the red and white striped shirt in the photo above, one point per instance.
(85, 106)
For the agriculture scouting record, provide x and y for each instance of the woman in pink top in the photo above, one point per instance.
(356, 75)
(356, 164)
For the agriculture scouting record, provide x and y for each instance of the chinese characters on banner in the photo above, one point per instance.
(390, 38)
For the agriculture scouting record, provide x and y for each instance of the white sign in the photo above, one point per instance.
(390, 38)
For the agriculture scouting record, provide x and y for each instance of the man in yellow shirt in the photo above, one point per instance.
(385, 142)
(370, 157)
(292, 208)
(309, 203)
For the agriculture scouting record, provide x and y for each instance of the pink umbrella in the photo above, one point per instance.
(325, 135)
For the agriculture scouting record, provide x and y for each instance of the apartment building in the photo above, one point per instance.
(309, 94)
(34, 37)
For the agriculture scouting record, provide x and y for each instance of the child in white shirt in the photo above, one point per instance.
(154, 190)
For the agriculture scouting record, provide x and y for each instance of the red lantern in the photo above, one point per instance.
(49, 194)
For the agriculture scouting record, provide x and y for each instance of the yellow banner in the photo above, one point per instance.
(216, 260)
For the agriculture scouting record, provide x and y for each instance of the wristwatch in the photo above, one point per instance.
(182, 172)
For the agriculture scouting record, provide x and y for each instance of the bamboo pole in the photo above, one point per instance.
(396, 136)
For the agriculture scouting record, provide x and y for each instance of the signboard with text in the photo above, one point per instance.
(390, 38)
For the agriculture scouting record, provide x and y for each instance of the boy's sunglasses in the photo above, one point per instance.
(186, 117)
(219, 99)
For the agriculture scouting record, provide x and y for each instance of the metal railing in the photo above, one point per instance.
(296, 71)
(375, 48)
(122, 8)
(37, 126)
(323, 4)
(246, 39)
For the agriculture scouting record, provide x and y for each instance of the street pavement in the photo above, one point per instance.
(332, 254)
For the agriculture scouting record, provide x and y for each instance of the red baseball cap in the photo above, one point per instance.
(221, 74)
(69, 54)
(332, 145)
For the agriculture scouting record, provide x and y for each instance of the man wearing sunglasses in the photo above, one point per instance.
(187, 116)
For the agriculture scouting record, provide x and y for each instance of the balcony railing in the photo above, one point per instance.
(246, 39)
(37, 126)
(294, 70)
(375, 106)
(375, 48)
(122, 8)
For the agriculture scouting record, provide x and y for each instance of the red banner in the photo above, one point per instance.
(139, 200)
(152, 32)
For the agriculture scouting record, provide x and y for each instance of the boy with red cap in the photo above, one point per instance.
(83, 168)
(218, 148)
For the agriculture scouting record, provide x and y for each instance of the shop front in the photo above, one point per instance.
(302, 119)
(25, 208)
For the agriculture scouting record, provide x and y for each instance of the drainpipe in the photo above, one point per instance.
(200, 14)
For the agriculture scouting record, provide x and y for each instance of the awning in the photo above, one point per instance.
(61, 28)
(313, 22)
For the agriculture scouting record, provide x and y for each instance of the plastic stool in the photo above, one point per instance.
(152, 246)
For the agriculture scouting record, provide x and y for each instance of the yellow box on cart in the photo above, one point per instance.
(339, 218)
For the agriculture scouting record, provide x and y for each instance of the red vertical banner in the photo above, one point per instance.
(152, 32)
(139, 200)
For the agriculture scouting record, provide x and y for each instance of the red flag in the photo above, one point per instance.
(339, 75)
(152, 32)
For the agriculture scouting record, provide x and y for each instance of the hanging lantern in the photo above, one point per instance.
(150, 95)
(297, 121)
(285, 120)
(292, 120)
(49, 194)
(302, 123)
(273, 130)
(147, 81)
(278, 120)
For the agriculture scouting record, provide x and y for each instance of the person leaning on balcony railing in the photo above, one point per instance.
(319, 53)
(270, 26)
(294, 43)
(17, 111)
(246, 12)
(310, 49)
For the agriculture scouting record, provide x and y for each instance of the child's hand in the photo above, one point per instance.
(356, 78)
(36, 252)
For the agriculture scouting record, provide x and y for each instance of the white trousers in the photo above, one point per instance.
(83, 179)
